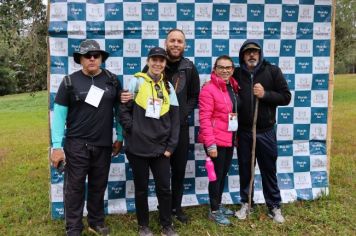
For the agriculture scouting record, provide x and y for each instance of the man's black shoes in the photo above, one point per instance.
(99, 230)
(180, 216)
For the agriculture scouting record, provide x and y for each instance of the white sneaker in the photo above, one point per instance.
(243, 212)
(276, 215)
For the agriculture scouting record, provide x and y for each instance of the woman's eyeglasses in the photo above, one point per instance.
(88, 55)
(159, 91)
(228, 68)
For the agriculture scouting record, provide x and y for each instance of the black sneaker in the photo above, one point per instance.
(168, 231)
(99, 230)
(179, 215)
(144, 231)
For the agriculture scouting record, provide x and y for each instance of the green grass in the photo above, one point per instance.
(24, 179)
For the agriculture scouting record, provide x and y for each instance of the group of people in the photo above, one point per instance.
(151, 115)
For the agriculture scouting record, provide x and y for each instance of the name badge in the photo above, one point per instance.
(94, 96)
(154, 106)
(233, 125)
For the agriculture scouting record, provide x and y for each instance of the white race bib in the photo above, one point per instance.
(233, 125)
(94, 96)
(154, 106)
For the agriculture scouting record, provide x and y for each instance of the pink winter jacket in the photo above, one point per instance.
(214, 106)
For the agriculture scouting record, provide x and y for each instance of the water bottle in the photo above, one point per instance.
(209, 165)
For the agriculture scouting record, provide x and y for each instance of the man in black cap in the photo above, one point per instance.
(85, 103)
(262, 81)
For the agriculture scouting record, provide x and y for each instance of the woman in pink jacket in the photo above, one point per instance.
(218, 106)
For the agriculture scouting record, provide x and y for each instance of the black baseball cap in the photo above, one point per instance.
(157, 51)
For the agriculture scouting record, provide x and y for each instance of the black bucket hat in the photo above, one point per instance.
(89, 45)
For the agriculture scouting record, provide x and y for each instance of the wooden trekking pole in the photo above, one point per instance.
(253, 155)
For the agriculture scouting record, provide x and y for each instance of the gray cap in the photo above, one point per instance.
(89, 45)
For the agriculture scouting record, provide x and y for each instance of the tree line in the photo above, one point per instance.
(23, 45)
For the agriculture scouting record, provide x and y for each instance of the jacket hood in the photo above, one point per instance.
(241, 57)
(220, 83)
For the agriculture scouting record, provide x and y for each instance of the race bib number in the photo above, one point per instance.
(154, 106)
(94, 96)
(233, 125)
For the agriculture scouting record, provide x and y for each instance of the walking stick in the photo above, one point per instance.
(253, 155)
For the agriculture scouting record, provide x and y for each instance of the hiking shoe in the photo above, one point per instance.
(180, 216)
(276, 215)
(243, 212)
(99, 230)
(219, 218)
(225, 211)
(144, 231)
(168, 231)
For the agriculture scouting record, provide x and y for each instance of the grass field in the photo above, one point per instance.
(24, 179)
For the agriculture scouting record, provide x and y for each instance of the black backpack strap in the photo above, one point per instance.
(68, 82)
(112, 78)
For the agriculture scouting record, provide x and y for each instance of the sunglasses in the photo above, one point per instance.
(159, 91)
(89, 55)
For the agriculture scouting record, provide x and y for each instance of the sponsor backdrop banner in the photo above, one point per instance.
(295, 34)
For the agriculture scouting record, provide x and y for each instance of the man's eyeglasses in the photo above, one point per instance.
(159, 91)
(228, 68)
(88, 55)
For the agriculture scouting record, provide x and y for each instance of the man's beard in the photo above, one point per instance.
(252, 63)
(174, 57)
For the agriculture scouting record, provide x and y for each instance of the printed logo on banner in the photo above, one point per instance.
(305, 31)
(318, 131)
(203, 12)
(185, 12)
(303, 65)
(301, 115)
(285, 115)
(306, 13)
(321, 65)
(147, 44)
(188, 27)
(149, 29)
(203, 48)
(58, 29)
(151, 187)
(287, 64)
(302, 99)
(114, 11)
(284, 132)
(285, 180)
(255, 30)
(57, 192)
(273, 13)
(238, 13)
(323, 2)
(321, 48)
(165, 27)
(255, 12)
(304, 48)
(322, 31)
(132, 65)
(285, 148)
(220, 47)
(199, 152)
(220, 30)
(304, 194)
(73, 66)
(301, 132)
(58, 12)
(238, 30)
(129, 175)
(167, 12)
(59, 65)
(203, 65)
(290, 78)
(301, 164)
(190, 169)
(77, 29)
(149, 12)
(235, 196)
(302, 180)
(322, 14)
(288, 30)
(202, 198)
(288, 195)
(318, 163)
(116, 189)
(114, 29)
(258, 197)
(319, 115)
(226, 198)
(285, 164)
(95, 12)
(117, 172)
(114, 64)
(189, 185)
(132, 29)
(58, 46)
(132, 11)
(203, 30)
(116, 206)
(234, 47)
(57, 210)
(317, 147)
(303, 81)
(272, 60)
(55, 81)
(132, 48)
(287, 48)
(152, 202)
(201, 185)
(319, 179)
(130, 189)
(290, 13)
(319, 98)
(234, 168)
(221, 12)
(96, 29)
(272, 30)
(233, 183)
(114, 47)
(301, 148)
